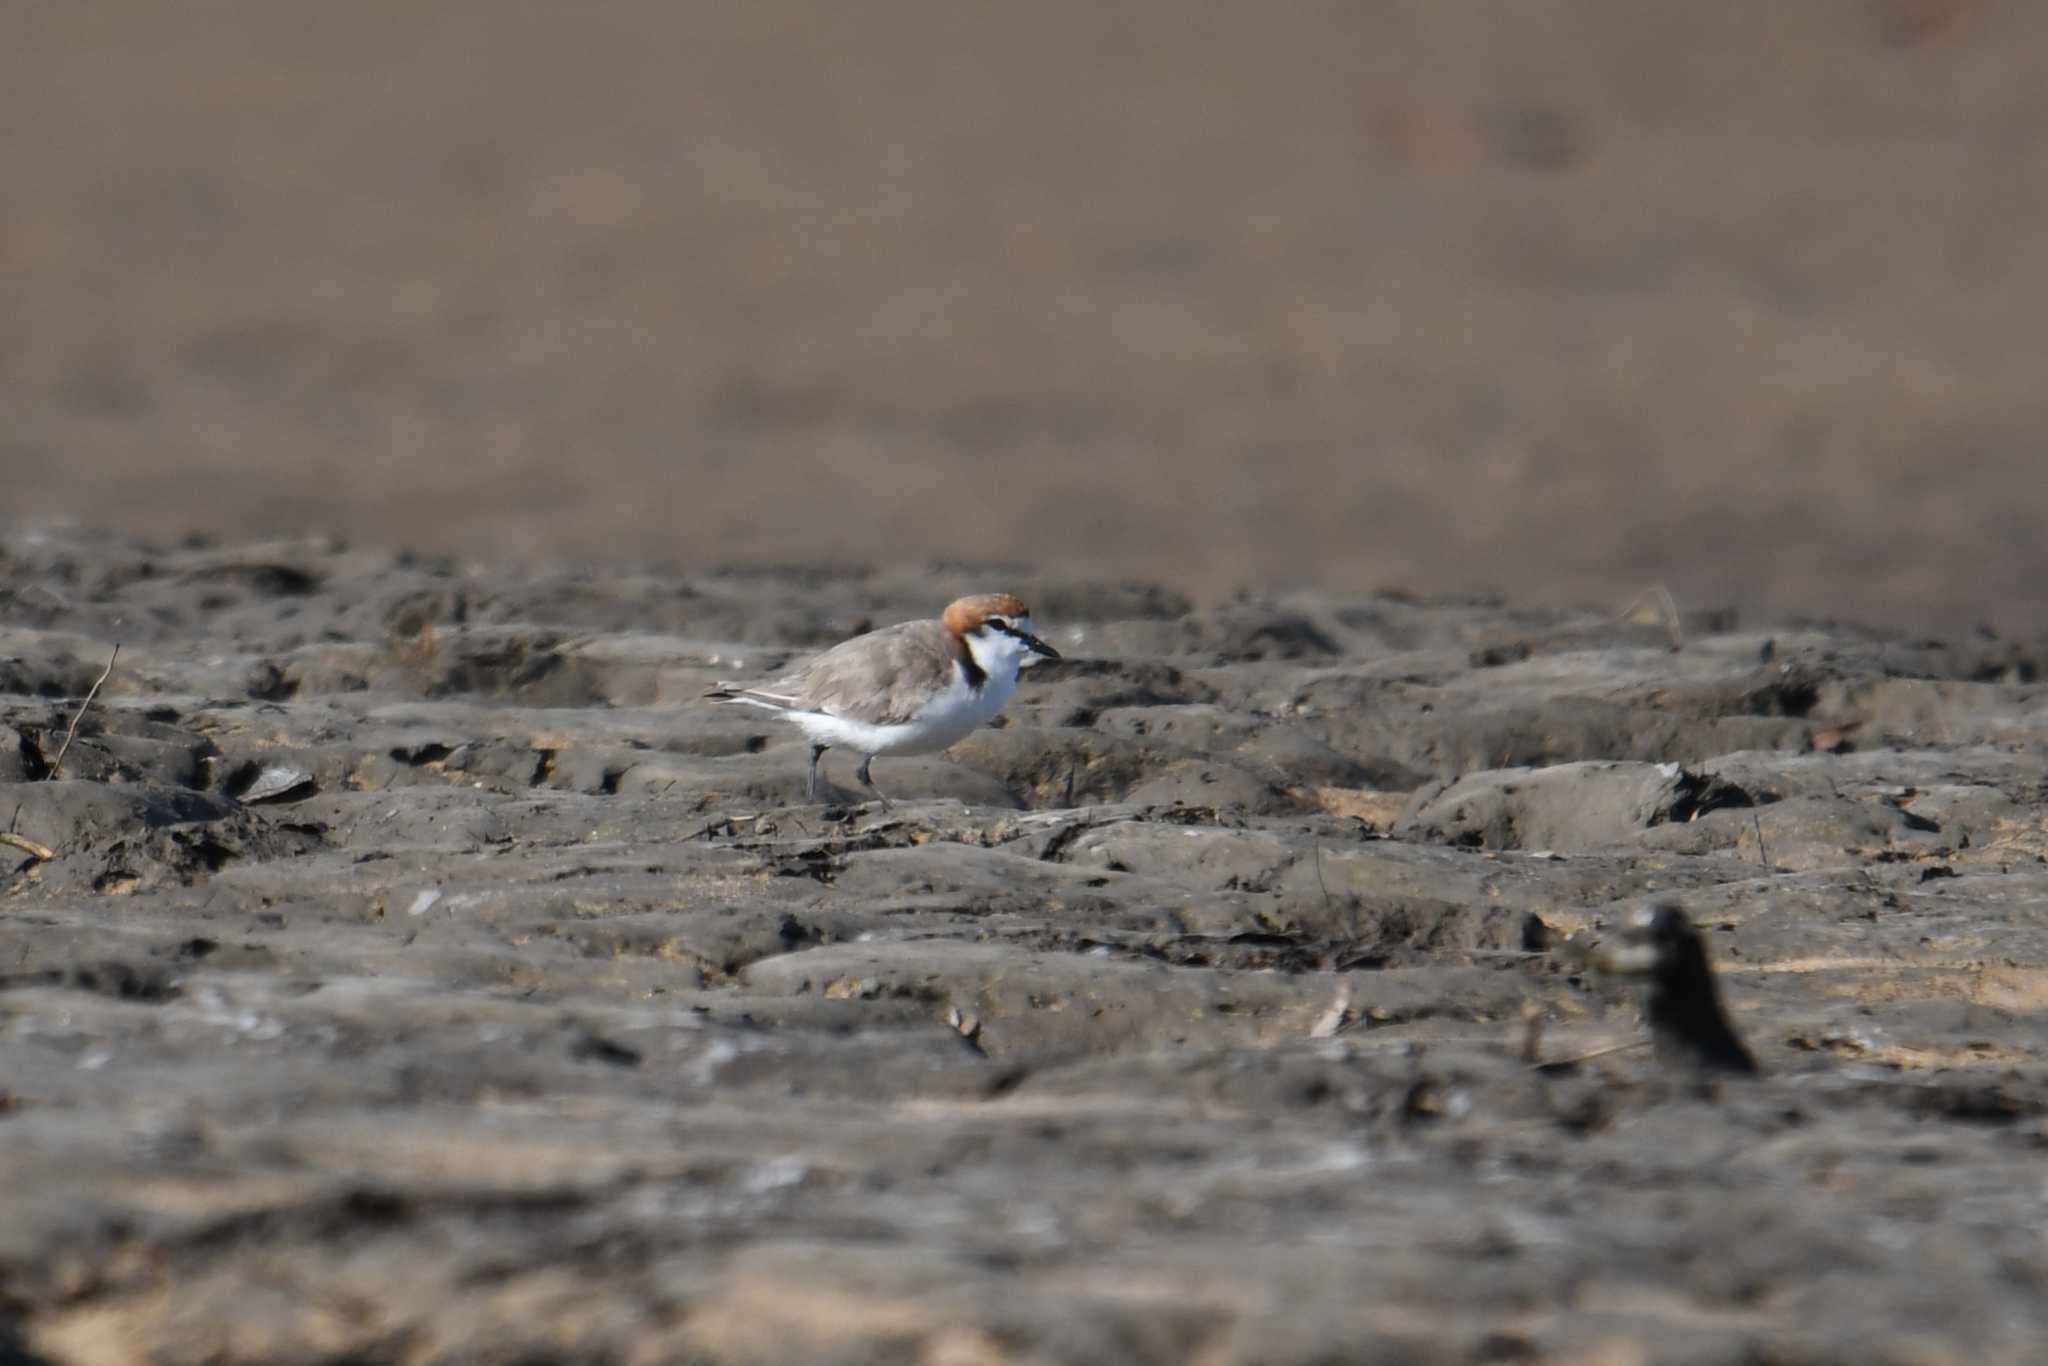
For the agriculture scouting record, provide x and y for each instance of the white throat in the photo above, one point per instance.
(999, 653)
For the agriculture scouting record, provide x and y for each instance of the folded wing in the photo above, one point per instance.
(884, 678)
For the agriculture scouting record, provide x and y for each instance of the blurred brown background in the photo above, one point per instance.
(1559, 297)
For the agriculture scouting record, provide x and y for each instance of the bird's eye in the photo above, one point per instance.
(996, 623)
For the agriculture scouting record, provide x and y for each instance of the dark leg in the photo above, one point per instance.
(869, 783)
(811, 793)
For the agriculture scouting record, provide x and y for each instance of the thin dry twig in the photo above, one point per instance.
(1532, 1032)
(1671, 617)
(1576, 1059)
(1332, 1020)
(71, 733)
(1763, 855)
(40, 852)
(1351, 917)
(1667, 608)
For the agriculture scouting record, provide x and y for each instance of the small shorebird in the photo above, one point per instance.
(1683, 1005)
(912, 688)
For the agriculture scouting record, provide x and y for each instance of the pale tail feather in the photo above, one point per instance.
(752, 697)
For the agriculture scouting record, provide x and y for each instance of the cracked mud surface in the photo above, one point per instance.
(424, 973)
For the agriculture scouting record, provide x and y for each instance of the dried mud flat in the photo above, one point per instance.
(422, 973)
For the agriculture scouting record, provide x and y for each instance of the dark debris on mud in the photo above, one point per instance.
(419, 971)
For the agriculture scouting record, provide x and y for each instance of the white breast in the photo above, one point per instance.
(959, 711)
(951, 716)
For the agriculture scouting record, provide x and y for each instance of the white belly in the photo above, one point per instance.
(948, 718)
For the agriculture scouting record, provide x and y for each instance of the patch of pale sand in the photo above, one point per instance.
(102, 1333)
(1981, 1054)
(1985, 984)
(1566, 923)
(1377, 809)
(127, 1329)
(1731, 969)
(218, 1198)
(1998, 985)
(759, 1316)
(2010, 839)
(1637, 1300)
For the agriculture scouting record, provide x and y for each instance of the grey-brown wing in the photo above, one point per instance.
(883, 678)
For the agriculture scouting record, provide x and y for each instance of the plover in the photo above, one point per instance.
(1683, 1005)
(913, 688)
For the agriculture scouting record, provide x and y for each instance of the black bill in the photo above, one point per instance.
(1038, 647)
(1031, 642)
